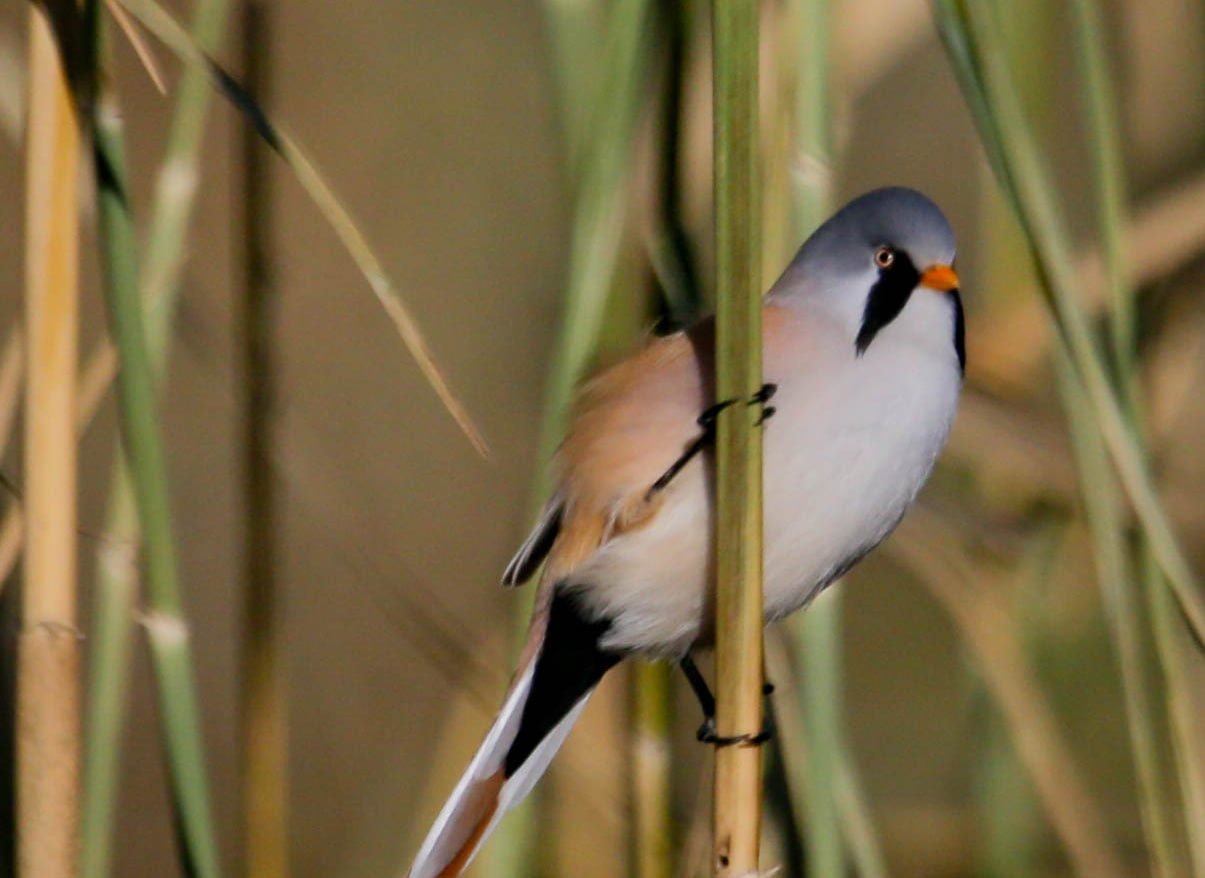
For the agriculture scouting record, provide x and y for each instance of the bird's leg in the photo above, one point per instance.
(707, 421)
(707, 733)
(699, 686)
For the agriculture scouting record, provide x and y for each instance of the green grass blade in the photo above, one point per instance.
(818, 628)
(166, 628)
(599, 174)
(1118, 576)
(1124, 614)
(598, 215)
(652, 791)
(1176, 650)
(1108, 177)
(117, 569)
(837, 816)
(108, 674)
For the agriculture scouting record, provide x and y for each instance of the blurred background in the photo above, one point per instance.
(459, 136)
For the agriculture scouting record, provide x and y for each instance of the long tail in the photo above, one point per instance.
(544, 702)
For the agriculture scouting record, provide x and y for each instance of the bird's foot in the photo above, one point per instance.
(762, 397)
(707, 420)
(707, 735)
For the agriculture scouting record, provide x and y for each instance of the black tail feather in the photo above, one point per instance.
(570, 664)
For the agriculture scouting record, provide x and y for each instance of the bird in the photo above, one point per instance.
(863, 358)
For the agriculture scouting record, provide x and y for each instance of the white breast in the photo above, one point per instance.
(851, 444)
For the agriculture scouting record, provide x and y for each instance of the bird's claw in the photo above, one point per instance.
(707, 735)
(761, 398)
(707, 420)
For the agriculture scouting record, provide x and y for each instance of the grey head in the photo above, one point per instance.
(863, 265)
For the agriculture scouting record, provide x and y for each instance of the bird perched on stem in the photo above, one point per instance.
(863, 357)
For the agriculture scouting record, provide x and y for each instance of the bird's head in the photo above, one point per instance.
(884, 260)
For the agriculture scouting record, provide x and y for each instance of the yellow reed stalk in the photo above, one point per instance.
(737, 792)
(48, 692)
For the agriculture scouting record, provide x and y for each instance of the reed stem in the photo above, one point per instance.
(739, 619)
(652, 793)
(1121, 576)
(117, 574)
(817, 631)
(48, 692)
(167, 630)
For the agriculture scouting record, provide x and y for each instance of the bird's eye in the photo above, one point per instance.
(884, 256)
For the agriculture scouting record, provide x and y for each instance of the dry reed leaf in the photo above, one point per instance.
(167, 29)
(139, 44)
(94, 382)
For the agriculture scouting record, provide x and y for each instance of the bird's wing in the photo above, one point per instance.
(631, 423)
(535, 548)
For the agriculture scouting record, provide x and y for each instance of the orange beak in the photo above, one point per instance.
(939, 277)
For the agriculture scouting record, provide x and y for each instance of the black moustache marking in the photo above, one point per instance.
(960, 332)
(888, 297)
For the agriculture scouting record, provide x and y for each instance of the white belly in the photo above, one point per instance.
(845, 455)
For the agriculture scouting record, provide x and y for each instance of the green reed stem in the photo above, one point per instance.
(599, 168)
(1120, 577)
(652, 792)
(818, 629)
(738, 529)
(117, 568)
(837, 815)
(166, 628)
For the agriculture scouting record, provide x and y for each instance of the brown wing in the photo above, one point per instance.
(630, 423)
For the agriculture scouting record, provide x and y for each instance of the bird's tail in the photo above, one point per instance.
(544, 702)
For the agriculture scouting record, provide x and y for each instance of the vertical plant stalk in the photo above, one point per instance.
(670, 249)
(738, 540)
(166, 628)
(572, 27)
(117, 557)
(1176, 649)
(652, 795)
(600, 203)
(264, 695)
(48, 692)
(1123, 612)
(866, 851)
(1007, 814)
(598, 173)
(1118, 574)
(1108, 177)
(817, 632)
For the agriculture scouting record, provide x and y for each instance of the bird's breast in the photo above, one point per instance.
(850, 444)
(846, 454)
